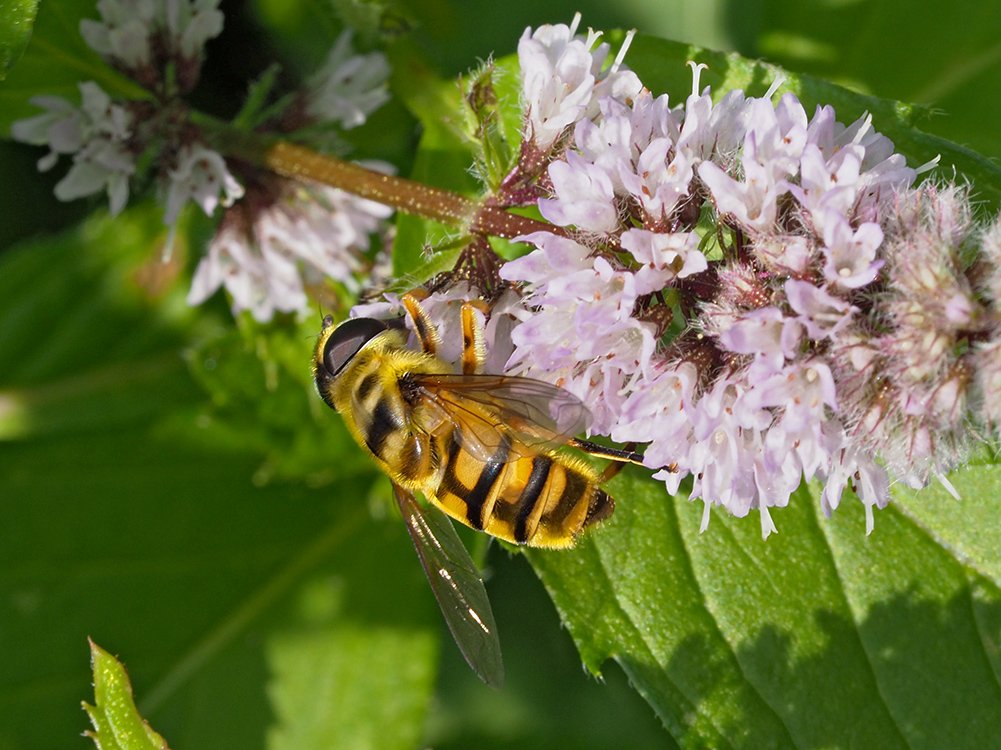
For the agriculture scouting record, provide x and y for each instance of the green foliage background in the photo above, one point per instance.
(170, 487)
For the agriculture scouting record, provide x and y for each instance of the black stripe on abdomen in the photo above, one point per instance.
(574, 488)
(383, 423)
(530, 496)
(492, 469)
(449, 481)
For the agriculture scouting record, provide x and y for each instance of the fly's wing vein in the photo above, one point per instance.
(486, 408)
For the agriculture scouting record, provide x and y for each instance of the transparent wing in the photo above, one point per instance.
(485, 408)
(457, 586)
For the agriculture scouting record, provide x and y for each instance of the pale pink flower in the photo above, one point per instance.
(663, 257)
(563, 78)
(348, 87)
(144, 38)
(851, 253)
(201, 176)
(97, 135)
(124, 31)
(266, 257)
(584, 196)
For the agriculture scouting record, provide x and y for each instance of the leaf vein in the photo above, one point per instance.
(854, 620)
(965, 560)
(627, 617)
(245, 613)
(712, 616)
(984, 639)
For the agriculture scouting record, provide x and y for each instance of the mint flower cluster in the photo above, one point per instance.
(276, 237)
(758, 295)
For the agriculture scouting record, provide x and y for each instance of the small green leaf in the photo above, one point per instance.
(488, 103)
(444, 159)
(255, 109)
(16, 20)
(116, 720)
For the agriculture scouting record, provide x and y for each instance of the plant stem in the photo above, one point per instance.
(409, 196)
(298, 162)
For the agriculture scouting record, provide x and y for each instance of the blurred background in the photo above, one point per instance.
(169, 487)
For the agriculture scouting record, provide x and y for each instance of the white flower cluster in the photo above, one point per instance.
(348, 87)
(105, 138)
(266, 257)
(141, 36)
(96, 135)
(563, 78)
(276, 239)
(793, 350)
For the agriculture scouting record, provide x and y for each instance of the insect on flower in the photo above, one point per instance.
(482, 448)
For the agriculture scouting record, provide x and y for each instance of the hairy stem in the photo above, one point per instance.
(405, 195)
(412, 197)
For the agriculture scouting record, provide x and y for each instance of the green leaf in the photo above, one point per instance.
(134, 507)
(124, 516)
(869, 46)
(443, 160)
(628, 591)
(55, 61)
(16, 20)
(351, 687)
(803, 640)
(736, 641)
(114, 716)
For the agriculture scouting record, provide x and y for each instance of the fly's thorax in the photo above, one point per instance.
(369, 394)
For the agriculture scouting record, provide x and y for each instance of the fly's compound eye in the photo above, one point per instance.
(344, 343)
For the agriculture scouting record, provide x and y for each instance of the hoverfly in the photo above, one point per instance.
(482, 448)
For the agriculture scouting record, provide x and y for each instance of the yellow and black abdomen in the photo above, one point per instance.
(542, 500)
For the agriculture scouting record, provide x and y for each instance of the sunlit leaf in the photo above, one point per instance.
(819, 636)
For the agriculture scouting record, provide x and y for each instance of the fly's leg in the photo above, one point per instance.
(427, 333)
(619, 456)
(473, 347)
(474, 351)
